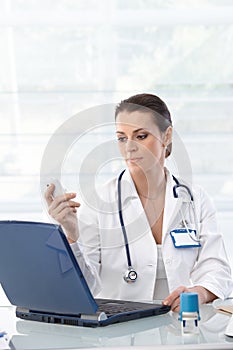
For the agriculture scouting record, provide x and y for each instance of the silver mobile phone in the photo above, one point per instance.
(59, 189)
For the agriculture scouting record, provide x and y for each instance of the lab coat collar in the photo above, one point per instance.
(128, 189)
(172, 204)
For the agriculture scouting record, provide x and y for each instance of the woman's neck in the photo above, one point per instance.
(150, 185)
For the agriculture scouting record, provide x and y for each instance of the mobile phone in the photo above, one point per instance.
(59, 189)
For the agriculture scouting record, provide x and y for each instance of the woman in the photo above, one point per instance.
(153, 217)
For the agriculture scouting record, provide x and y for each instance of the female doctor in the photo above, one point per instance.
(149, 235)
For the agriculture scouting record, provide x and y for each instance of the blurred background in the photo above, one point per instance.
(59, 57)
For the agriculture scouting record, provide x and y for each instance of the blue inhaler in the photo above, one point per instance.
(189, 313)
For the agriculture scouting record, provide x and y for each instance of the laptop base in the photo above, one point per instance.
(99, 319)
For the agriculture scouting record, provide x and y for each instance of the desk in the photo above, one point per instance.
(152, 331)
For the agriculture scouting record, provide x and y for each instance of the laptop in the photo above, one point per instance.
(41, 276)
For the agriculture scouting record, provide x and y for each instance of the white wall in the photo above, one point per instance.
(59, 57)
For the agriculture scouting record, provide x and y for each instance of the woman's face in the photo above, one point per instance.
(140, 141)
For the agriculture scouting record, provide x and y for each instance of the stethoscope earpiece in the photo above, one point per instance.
(130, 275)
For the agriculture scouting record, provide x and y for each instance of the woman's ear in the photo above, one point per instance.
(167, 139)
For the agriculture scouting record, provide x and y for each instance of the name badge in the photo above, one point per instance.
(182, 238)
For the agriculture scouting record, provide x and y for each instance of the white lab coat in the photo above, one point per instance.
(103, 257)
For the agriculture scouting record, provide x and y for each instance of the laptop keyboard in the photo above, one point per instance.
(113, 307)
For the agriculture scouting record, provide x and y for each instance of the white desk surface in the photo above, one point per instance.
(152, 331)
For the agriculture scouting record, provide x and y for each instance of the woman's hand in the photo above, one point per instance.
(204, 296)
(63, 210)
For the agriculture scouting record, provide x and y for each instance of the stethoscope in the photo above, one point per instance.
(130, 275)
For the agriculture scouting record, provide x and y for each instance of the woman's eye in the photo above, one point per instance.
(122, 139)
(142, 136)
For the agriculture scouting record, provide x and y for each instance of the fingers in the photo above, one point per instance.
(63, 215)
(51, 201)
(60, 206)
(174, 295)
(175, 306)
(61, 203)
(63, 210)
(173, 299)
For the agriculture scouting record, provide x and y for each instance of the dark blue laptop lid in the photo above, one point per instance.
(38, 270)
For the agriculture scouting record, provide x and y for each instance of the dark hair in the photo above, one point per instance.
(148, 103)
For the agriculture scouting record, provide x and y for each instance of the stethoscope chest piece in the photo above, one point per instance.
(130, 275)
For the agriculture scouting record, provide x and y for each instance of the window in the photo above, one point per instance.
(61, 57)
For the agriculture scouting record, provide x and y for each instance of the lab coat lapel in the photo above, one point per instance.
(128, 190)
(172, 205)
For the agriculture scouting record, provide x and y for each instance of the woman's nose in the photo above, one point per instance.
(131, 146)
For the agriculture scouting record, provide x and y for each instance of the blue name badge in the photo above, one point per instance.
(182, 238)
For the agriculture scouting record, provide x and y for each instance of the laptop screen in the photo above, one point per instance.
(31, 256)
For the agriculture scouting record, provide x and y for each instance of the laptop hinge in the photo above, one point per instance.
(21, 309)
(98, 316)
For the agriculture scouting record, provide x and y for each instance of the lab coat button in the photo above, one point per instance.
(168, 261)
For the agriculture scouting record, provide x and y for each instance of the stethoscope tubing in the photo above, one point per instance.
(175, 194)
(122, 221)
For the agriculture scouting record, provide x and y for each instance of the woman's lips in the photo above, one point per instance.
(134, 159)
